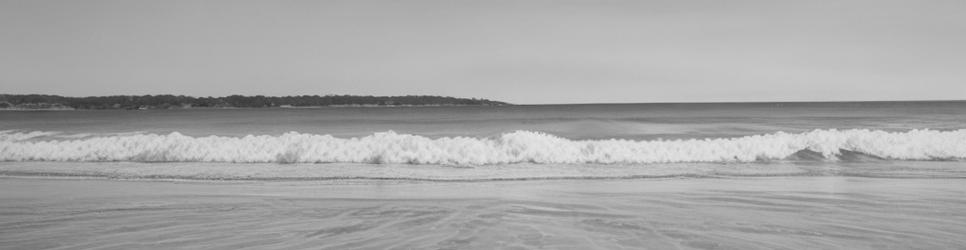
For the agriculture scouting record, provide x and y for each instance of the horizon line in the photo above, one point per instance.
(746, 102)
(533, 104)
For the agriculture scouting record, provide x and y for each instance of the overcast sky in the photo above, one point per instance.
(525, 51)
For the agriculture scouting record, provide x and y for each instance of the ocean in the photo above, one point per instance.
(854, 175)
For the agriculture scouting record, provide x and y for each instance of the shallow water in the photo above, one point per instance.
(689, 213)
(551, 134)
(437, 173)
(656, 176)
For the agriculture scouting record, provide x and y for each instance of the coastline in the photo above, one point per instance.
(167, 101)
(227, 108)
(843, 104)
(268, 172)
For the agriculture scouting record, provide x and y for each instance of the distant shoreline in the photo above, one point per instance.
(146, 102)
(233, 108)
(239, 108)
(17, 103)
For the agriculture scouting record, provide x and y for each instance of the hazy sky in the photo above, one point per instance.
(525, 51)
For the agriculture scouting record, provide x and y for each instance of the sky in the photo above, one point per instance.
(519, 51)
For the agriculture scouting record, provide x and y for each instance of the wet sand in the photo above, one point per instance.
(674, 213)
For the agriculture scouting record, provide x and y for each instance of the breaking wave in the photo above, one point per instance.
(509, 148)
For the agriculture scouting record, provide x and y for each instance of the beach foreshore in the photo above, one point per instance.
(791, 212)
(272, 172)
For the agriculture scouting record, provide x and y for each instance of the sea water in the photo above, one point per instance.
(708, 176)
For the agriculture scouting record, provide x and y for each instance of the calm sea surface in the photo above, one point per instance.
(632, 121)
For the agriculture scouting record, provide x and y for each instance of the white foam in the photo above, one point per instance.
(509, 148)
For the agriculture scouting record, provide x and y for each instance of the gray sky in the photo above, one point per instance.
(525, 51)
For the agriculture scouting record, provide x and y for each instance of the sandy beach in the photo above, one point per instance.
(670, 213)
(560, 124)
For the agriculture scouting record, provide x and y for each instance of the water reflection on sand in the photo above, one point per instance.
(726, 213)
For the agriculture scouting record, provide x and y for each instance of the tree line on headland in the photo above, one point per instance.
(34, 101)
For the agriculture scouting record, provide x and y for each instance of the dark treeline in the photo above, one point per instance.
(239, 101)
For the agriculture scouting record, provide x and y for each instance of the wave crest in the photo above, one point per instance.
(509, 148)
